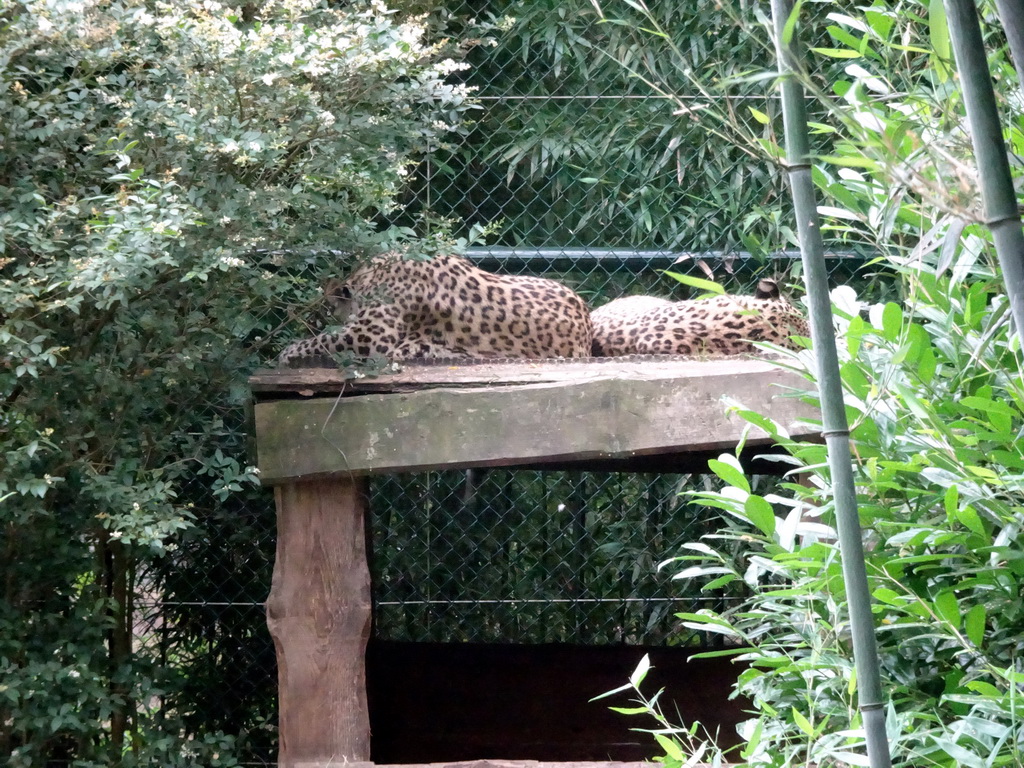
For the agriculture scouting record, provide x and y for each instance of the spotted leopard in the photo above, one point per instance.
(445, 308)
(721, 325)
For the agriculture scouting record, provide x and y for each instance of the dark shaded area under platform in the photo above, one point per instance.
(432, 702)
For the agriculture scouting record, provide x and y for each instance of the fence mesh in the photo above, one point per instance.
(598, 184)
(532, 557)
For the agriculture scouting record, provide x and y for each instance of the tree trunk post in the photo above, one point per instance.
(319, 615)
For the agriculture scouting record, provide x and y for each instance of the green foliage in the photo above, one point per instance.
(936, 408)
(171, 177)
(575, 151)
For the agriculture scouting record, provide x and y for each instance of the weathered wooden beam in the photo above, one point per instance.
(318, 613)
(601, 412)
(413, 376)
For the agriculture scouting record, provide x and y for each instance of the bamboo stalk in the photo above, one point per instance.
(835, 428)
(1011, 14)
(997, 193)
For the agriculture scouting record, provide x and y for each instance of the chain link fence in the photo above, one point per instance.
(595, 182)
(524, 556)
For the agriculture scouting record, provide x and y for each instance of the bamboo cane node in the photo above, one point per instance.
(827, 433)
(1010, 218)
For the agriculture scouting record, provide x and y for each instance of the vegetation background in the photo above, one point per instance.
(176, 177)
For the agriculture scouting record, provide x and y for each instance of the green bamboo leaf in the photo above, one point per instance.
(629, 710)
(760, 116)
(753, 741)
(987, 404)
(852, 161)
(672, 749)
(974, 624)
(721, 581)
(886, 595)
(840, 35)
(606, 694)
(947, 608)
(641, 671)
(838, 53)
(708, 623)
(984, 689)
(968, 517)
(952, 501)
(803, 723)
(790, 26)
(728, 468)
(719, 654)
(760, 513)
(950, 242)
(938, 34)
(819, 128)
(892, 321)
(909, 48)
(985, 473)
(881, 24)
(1012, 675)
(696, 282)
(928, 365)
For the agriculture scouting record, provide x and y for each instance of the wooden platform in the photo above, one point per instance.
(311, 422)
(319, 436)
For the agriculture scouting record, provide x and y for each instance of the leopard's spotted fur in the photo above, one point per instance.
(447, 307)
(721, 325)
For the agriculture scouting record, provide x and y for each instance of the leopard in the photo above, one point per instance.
(715, 326)
(446, 308)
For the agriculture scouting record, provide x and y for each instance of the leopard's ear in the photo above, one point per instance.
(336, 289)
(767, 289)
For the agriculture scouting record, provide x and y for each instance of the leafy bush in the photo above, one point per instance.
(936, 406)
(573, 151)
(172, 177)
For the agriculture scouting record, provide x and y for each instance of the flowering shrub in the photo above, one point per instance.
(172, 175)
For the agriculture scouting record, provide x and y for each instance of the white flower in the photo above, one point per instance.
(269, 78)
(44, 24)
(448, 66)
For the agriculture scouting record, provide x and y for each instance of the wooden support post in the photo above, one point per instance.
(318, 612)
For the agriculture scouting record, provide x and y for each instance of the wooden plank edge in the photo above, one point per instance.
(268, 384)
